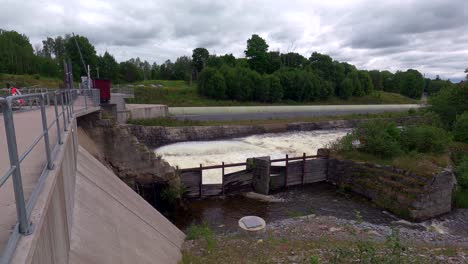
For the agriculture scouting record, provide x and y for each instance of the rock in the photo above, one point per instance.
(262, 197)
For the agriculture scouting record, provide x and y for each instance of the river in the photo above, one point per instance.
(192, 154)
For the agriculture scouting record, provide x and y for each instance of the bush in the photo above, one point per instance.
(379, 138)
(425, 139)
(462, 173)
(460, 128)
(449, 103)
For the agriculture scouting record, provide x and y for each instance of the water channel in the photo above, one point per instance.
(321, 199)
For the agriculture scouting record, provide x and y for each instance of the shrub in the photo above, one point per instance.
(449, 103)
(462, 173)
(460, 128)
(425, 139)
(379, 138)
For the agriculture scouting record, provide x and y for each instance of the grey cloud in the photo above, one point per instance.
(429, 35)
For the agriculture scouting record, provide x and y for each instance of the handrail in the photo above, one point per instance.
(65, 98)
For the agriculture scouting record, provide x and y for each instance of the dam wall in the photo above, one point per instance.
(52, 216)
(85, 214)
(157, 136)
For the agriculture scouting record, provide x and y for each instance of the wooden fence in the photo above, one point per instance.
(296, 171)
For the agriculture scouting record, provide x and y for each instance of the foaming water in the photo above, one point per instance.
(193, 153)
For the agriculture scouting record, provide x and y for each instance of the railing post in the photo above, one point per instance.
(201, 180)
(50, 165)
(62, 100)
(24, 226)
(222, 179)
(57, 119)
(286, 172)
(70, 103)
(85, 100)
(303, 167)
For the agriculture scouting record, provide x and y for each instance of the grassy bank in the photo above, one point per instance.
(179, 93)
(173, 122)
(29, 80)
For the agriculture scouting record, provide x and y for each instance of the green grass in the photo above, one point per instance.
(202, 231)
(29, 80)
(420, 163)
(179, 93)
(173, 122)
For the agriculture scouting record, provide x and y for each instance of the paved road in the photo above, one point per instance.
(270, 112)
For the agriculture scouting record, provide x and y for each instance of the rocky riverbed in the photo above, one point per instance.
(327, 239)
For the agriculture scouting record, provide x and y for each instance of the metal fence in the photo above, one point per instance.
(65, 104)
(123, 90)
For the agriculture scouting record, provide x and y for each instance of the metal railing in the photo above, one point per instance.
(123, 90)
(65, 104)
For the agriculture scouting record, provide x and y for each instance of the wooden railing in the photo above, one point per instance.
(239, 181)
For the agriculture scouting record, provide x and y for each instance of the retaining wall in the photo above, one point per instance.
(157, 136)
(404, 193)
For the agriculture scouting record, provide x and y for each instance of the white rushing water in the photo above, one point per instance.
(193, 153)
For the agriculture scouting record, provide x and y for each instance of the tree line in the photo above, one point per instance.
(263, 75)
(17, 56)
(270, 76)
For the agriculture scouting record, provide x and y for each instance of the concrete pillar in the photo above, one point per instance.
(260, 174)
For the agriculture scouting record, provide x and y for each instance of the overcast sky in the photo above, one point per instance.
(428, 35)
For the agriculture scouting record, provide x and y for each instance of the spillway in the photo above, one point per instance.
(193, 153)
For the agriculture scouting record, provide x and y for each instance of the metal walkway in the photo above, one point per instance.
(38, 128)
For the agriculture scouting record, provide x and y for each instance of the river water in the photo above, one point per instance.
(192, 154)
(321, 199)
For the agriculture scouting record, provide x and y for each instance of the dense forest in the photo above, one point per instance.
(263, 75)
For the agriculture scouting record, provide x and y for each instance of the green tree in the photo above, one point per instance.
(16, 53)
(449, 103)
(199, 59)
(108, 67)
(460, 128)
(182, 69)
(410, 83)
(293, 60)
(323, 66)
(366, 82)
(377, 79)
(88, 53)
(346, 88)
(257, 53)
(129, 72)
(275, 89)
(357, 87)
(388, 82)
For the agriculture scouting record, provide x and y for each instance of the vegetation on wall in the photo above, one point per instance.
(426, 143)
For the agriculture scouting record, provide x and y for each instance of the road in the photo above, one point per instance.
(276, 112)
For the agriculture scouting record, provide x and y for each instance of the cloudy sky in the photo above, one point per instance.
(429, 35)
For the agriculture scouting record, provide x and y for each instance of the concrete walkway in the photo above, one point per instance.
(28, 127)
(269, 112)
